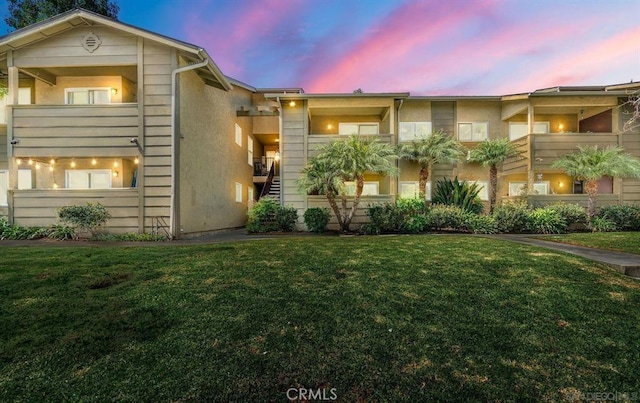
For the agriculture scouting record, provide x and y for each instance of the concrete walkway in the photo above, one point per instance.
(625, 263)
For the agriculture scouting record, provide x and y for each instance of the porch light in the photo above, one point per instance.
(114, 91)
(19, 161)
(52, 161)
(292, 104)
(55, 185)
(560, 127)
(73, 164)
(136, 161)
(115, 174)
(329, 126)
(30, 161)
(50, 169)
(560, 184)
(276, 157)
(37, 165)
(94, 161)
(115, 164)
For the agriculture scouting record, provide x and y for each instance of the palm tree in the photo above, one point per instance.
(591, 163)
(437, 148)
(341, 161)
(492, 154)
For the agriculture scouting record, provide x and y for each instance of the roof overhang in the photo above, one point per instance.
(42, 30)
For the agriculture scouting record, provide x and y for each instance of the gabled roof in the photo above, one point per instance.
(211, 74)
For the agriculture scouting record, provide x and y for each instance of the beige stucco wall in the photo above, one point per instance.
(210, 160)
(414, 110)
(482, 111)
(55, 95)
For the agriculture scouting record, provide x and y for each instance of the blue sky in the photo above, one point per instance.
(427, 47)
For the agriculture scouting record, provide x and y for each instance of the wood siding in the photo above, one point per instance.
(158, 62)
(3, 148)
(360, 216)
(520, 163)
(65, 49)
(75, 131)
(294, 129)
(444, 117)
(39, 207)
(631, 187)
(550, 146)
(580, 199)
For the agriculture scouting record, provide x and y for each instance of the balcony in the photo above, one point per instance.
(548, 147)
(74, 130)
(317, 140)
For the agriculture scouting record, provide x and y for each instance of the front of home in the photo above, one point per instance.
(100, 111)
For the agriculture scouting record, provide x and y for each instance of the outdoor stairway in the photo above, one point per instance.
(274, 190)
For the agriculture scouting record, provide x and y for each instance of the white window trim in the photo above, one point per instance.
(22, 91)
(368, 184)
(519, 188)
(238, 135)
(341, 125)
(250, 195)
(415, 127)
(417, 185)
(238, 192)
(485, 188)
(4, 193)
(250, 150)
(535, 131)
(108, 172)
(77, 89)
(472, 124)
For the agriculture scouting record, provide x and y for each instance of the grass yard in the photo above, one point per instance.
(619, 241)
(389, 318)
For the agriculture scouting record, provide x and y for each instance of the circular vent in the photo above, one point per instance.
(91, 42)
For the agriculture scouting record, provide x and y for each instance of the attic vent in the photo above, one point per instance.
(91, 42)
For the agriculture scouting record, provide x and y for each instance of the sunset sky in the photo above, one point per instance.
(426, 47)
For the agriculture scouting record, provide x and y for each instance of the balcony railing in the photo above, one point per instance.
(262, 165)
(74, 130)
(317, 140)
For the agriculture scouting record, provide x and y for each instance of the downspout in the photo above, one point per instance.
(174, 134)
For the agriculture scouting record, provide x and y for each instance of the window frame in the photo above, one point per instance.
(348, 185)
(239, 191)
(250, 150)
(359, 124)
(545, 184)
(4, 192)
(88, 89)
(3, 103)
(417, 191)
(107, 172)
(535, 131)
(238, 135)
(414, 131)
(471, 140)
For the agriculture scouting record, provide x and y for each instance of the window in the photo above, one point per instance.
(473, 131)
(250, 195)
(238, 192)
(484, 190)
(520, 188)
(250, 150)
(4, 187)
(24, 98)
(238, 135)
(410, 131)
(24, 179)
(358, 128)
(519, 130)
(88, 179)
(87, 96)
(410, 190)
(369, 189)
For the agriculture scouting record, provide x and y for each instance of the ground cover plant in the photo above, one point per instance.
(619, 241)
(395, 318)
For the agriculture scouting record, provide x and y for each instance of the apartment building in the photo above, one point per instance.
(100, 111)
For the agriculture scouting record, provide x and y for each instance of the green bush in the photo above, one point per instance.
(86, 218)
(626, 217)
(572, 214)
(546, 221)
(601, 224)
(414, 224)
(458, 193)
(447, 217)
(512, 216)
(62, 232)
(404, 216)
(482, 224)
(317, 219)
(268, 215)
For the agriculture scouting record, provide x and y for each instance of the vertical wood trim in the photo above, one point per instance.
(175, 136)
(530, 153)
(12, 84)
(305, 142)
(141, 135)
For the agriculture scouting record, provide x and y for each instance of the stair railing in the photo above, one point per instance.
(267, 184)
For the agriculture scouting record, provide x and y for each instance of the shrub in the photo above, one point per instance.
(86, 218)
(317, 219)
(601, 224)
(512, 216)
(458, 193)
(572, 214)
(414, 224)
(405, 215)
(268, 215)
(546, 221)
(62, 232)
(447, 217)
(482, 224)
(626, 217)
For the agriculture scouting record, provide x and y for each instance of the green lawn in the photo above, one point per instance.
(389, 318)
(620, 241)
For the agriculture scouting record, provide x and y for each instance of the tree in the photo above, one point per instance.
(631, 108)
(341, 161)
(591, 163)
(436, 148)
(26, 12)
(492, 154)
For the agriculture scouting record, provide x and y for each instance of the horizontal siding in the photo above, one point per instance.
(360, 216)
(39, 207)
(3, 147)
(581, 199)
(631, 191)
(548, 147)
(520, 163)
(75, 131)
(66, 50)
